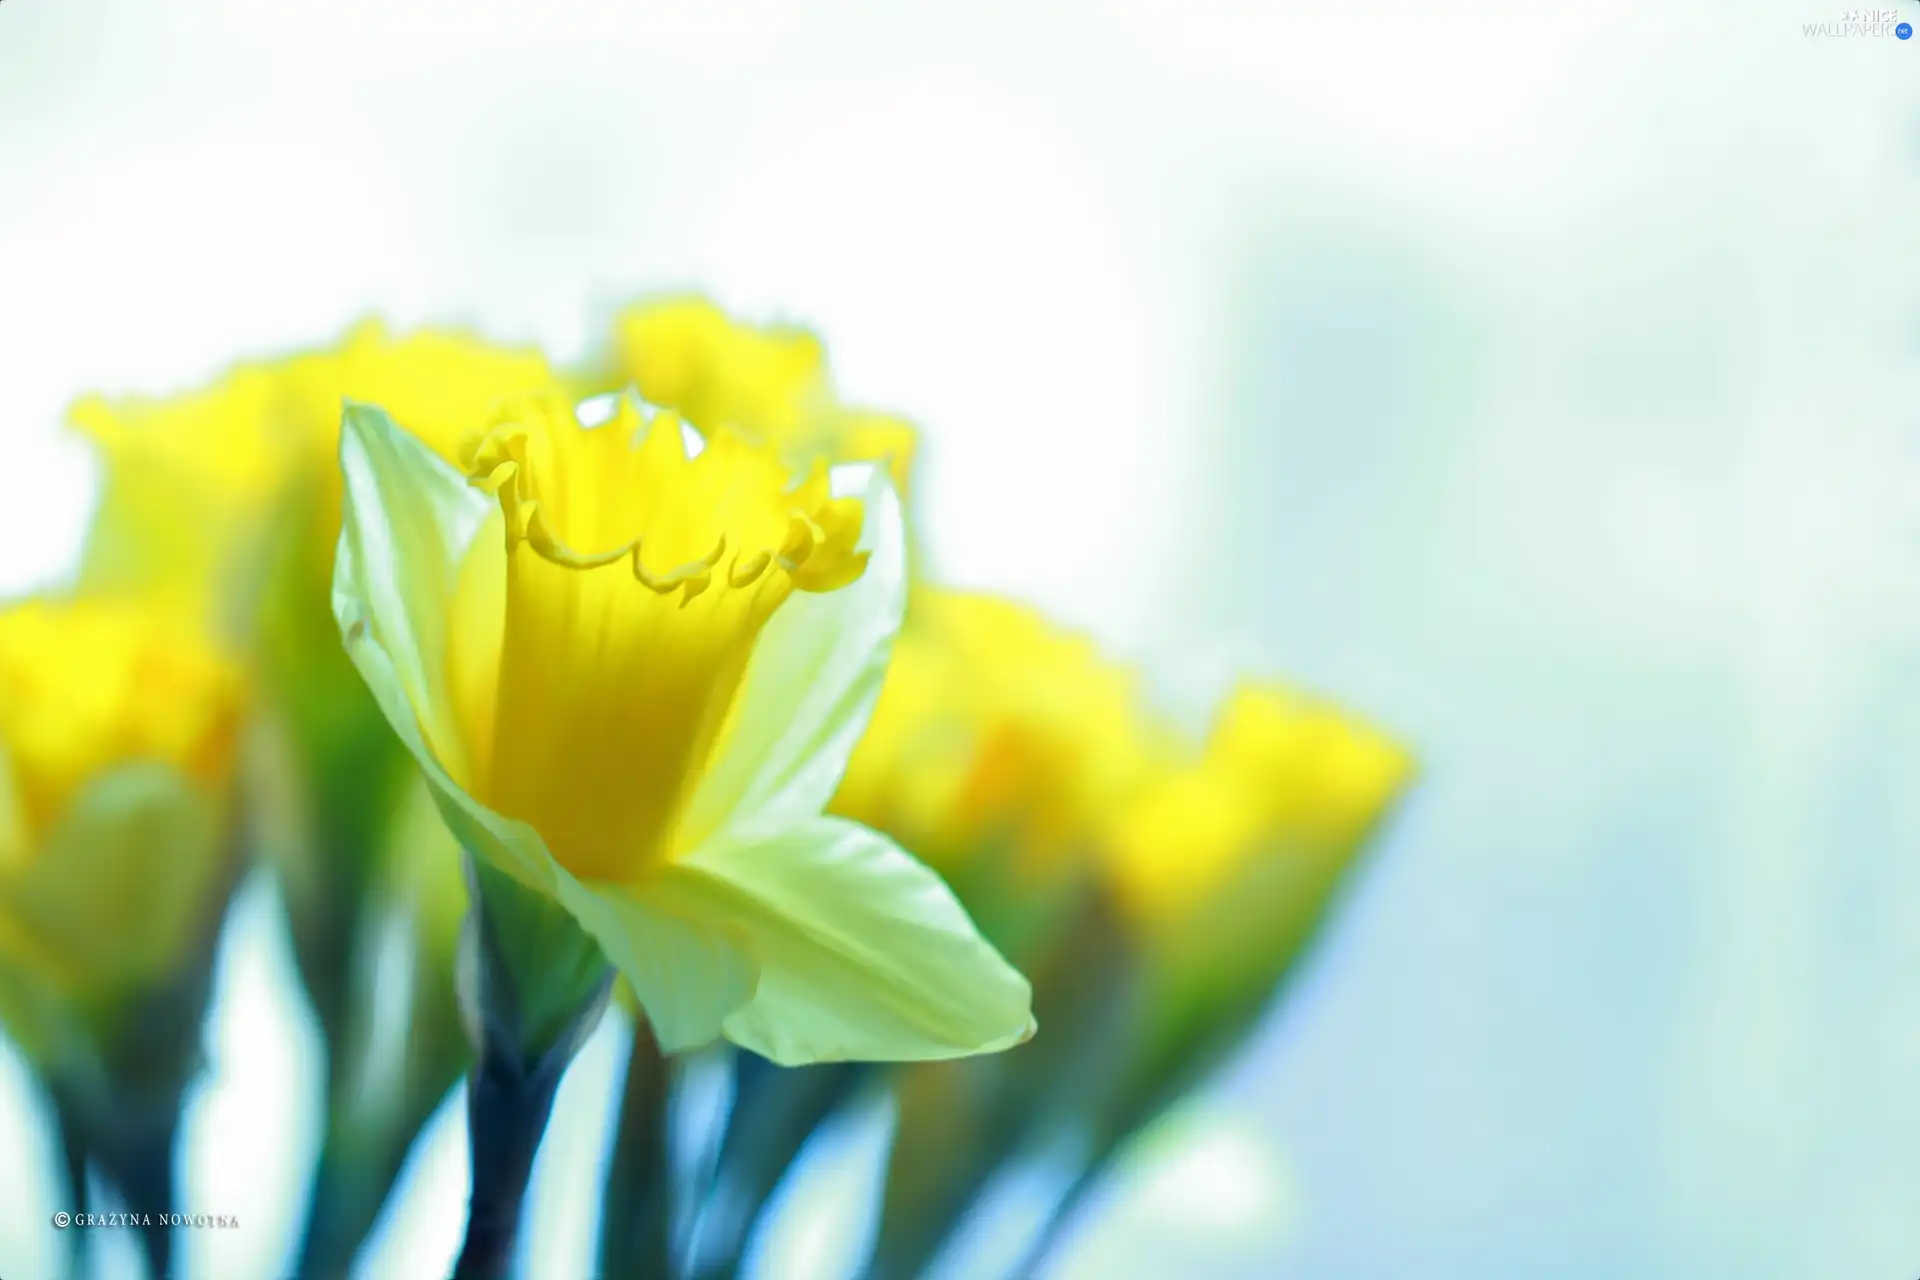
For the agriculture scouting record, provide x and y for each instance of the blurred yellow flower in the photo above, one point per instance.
(996, 731)
(189, 484)
(118, 737)
(1282, 777)
(632, 665)
(443, 386)
(772, 383)
(86, 686)
(209, 494)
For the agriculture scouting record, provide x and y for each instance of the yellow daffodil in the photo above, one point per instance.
(688, 355)
(633, 670)
(995, 732)
(189, 488)
(1286, 787)
(118, 732)
(207, 494)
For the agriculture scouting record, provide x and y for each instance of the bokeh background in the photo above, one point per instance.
(1542, 380)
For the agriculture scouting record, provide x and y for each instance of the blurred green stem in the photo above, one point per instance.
(370, 1132)
(775, 1111)
(636, 1215)
(131, 1138)
(956, 1122)
(1054, 1229)
(73, 1157)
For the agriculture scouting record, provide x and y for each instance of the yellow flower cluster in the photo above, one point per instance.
(999, 736)
(646, 634)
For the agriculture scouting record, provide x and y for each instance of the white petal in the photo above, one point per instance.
(688, 973)
(863, 952)
(809, 689)
(408, 521)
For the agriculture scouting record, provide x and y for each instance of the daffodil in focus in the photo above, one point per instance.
(771, 382)
(633, 663)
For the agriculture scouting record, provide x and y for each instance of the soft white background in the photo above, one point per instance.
(1542, 379)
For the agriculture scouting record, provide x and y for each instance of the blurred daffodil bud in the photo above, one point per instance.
(118, 733)
(998, 750)
(1223, 868)
(772, 382)
(190, 487)
(1227, 861)
(119, 730)
(632, 664)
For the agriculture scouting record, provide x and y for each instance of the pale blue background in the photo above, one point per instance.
(1542, 380)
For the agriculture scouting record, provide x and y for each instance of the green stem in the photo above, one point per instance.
(507, 1112)
(537, 986)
